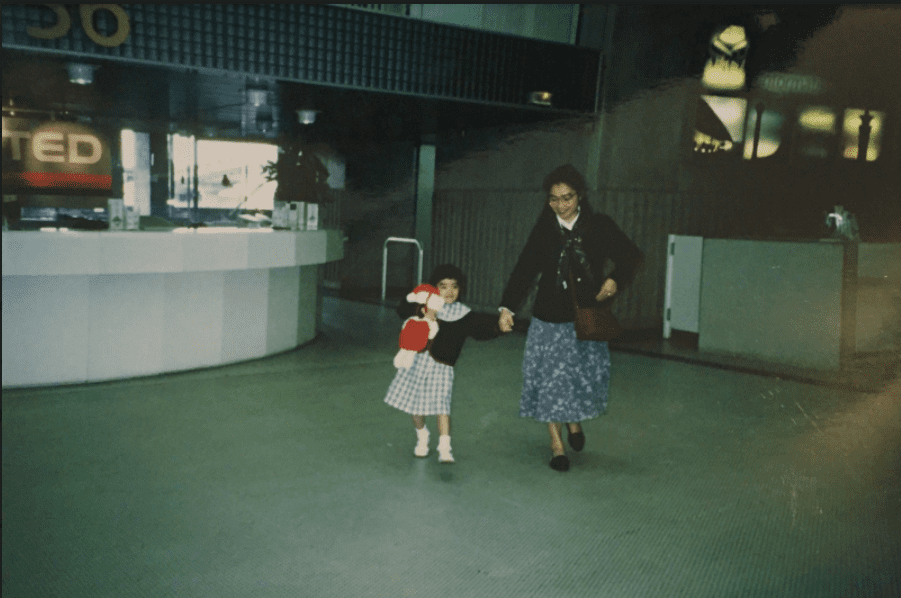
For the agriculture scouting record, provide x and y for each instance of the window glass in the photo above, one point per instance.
(240, 165)
(181, 152)
(229, 173)
(128, 167)
(770, 133)
(816, 128)
(862, 129)
(719, 124)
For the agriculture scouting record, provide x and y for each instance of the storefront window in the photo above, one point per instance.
(763, 139)
(229, 174)
(816, 128)
(242, 164)
(719, 124)
(128, 167)
(862, 133)
(720, 118)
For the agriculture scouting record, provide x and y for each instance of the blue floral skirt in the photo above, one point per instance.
(564, 379)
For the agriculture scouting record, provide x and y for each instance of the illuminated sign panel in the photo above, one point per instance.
(791, 83)
(54, 158)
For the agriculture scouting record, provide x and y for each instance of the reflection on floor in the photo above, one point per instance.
(289, 477)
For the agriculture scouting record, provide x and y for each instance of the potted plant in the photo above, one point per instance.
(300, 174)
(302, 184)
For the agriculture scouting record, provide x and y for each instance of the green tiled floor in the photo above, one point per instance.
(288, 477)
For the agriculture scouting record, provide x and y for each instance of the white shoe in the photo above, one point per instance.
(444, 450)
(422, 442)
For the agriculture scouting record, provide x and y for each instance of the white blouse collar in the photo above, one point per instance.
(568, 225)
(451, 312)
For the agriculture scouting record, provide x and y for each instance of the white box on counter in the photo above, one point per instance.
(281, 213)
(116, 211)
(312, 217)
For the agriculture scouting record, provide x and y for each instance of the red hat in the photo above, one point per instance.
(427, 295)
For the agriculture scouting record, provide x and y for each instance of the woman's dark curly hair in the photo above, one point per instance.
(449, 271)
(569, 175)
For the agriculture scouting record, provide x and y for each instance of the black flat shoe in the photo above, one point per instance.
(560, 463)
(576, 440)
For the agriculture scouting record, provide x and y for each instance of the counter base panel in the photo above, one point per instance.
(90, 328)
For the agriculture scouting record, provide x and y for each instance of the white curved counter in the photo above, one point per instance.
(92, 306)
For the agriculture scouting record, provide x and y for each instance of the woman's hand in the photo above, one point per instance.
(505, 322)
(607, 290)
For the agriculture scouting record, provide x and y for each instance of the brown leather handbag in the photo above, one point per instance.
(595, 323)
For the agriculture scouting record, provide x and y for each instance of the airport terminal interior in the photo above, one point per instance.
(211, 212)
(289, 476)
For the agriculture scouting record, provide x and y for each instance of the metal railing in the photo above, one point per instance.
(385, 260)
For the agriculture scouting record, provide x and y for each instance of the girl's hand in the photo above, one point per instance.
(607, 290)
(505, 322)
(431, 314)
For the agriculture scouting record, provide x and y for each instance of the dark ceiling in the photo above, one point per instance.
(154, 98)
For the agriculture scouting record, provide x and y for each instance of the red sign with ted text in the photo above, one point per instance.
(54, 158)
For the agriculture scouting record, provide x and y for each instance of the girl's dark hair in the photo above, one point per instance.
(569, 175)
(448, 271)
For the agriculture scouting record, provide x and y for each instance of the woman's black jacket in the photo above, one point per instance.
(602, 239)
(448, 343)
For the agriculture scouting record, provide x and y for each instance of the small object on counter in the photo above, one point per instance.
(312, 217)
(297, 219)
(132, 219)
(281, 216)
(116, 214)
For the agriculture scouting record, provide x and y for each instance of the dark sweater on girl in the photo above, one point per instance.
(448, 342)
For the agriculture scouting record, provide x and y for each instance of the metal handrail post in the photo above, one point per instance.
(385, 260)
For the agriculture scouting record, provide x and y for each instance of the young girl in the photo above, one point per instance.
(425, 387)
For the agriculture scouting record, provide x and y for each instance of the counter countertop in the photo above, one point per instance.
(55, 252)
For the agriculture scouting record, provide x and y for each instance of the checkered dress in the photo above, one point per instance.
(425, 387)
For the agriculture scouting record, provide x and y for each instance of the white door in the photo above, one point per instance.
(681, 310)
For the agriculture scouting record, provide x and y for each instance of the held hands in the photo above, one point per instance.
(607, 290)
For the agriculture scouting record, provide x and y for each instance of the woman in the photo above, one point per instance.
(565, 379)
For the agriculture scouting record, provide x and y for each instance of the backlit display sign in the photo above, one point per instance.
(54, 158)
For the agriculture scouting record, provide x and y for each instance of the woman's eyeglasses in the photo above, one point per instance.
(561, 198)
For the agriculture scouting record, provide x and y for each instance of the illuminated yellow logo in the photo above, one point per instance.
(725, 69)
(64, 23)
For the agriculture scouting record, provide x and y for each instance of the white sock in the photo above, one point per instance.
(444, 449)
(422, 442)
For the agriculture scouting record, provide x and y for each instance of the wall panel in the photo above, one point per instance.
(484, 231)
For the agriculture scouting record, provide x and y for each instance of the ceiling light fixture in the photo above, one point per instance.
(307, 117)
(81, 74)
(257, 97)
